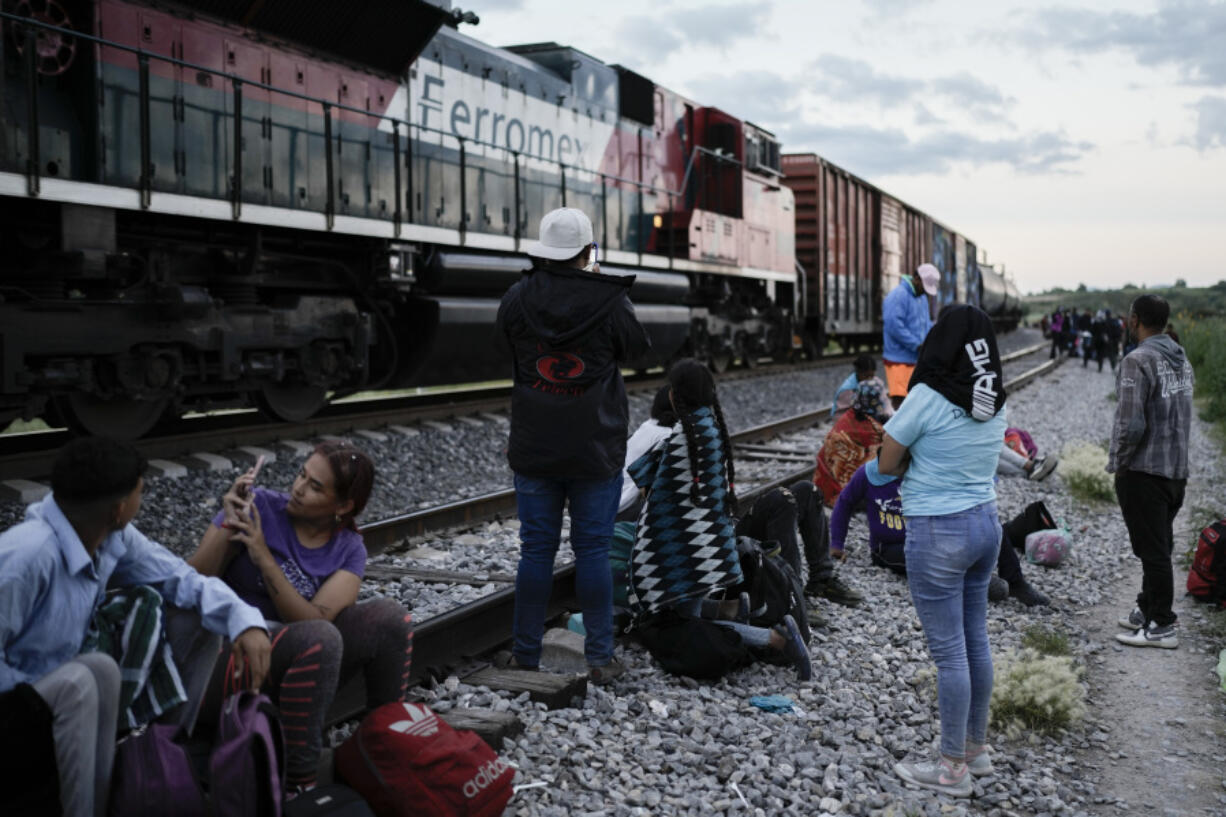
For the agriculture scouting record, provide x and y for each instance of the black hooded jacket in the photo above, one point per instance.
(569, 332)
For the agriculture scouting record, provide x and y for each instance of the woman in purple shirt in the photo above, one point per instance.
(299, 558)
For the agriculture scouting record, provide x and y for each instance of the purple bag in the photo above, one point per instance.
(248, 760)
(156, 773)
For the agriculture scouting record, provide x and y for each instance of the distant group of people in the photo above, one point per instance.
(1090, 336)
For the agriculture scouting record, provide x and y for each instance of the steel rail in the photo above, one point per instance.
(29, 455)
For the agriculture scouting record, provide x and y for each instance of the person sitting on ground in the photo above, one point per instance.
(1013, 464)
(852, 441)
(685, 545)
(845, 395)
(878, 495)
(657, 427)
(55, 568)
(299, 558)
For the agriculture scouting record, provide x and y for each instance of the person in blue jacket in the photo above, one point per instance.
(907, 317)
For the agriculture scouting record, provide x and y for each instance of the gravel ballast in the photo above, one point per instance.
(657, 744)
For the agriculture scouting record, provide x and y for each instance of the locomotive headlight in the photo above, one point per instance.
(400, 264)
(657, 221)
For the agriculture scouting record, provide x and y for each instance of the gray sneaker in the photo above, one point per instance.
(939, 775)
(606, 673)
(1134, 620)
(1151, 635)
(981, 764)
(1043, 468)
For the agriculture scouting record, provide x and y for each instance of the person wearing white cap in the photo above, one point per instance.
(570, 329)
(907, 318)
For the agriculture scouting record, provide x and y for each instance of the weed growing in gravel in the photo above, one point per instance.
(1083, 466)
(1046, 641)
(1040, 693)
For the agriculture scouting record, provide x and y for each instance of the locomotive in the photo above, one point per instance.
(262, 202)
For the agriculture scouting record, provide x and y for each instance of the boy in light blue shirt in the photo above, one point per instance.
(55, 569)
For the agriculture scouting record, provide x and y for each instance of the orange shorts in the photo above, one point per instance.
(897, 376)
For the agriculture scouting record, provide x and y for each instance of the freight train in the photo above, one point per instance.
(234, 202)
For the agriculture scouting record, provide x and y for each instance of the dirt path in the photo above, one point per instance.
(1161, 745)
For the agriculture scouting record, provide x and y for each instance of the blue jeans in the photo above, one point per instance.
(751, 636)
(593, 504)
(949, 562)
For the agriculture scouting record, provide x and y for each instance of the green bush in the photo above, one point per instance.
(1040, 693)
(1046, 641)
(1083, 466)
(1204, 339)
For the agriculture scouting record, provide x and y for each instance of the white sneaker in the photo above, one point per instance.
(1151, 635)
(1133, 621)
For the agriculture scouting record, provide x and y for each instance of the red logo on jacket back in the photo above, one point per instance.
(559, 367)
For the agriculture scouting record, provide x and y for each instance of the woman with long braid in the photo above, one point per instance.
(685, 545)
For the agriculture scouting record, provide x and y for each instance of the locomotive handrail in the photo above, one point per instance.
(693, 193)
(239, 81)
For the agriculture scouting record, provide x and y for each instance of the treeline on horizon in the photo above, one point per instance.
(1185, 301)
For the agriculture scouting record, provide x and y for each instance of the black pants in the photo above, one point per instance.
(891, 555)
(1106, 351)
(777, 516)
(1149, 504)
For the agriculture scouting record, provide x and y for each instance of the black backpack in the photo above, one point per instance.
(1036, 517)
(29, 778)
(774, 588)
(692, 646)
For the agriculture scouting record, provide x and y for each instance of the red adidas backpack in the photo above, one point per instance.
(407, 762)
(1207, 578)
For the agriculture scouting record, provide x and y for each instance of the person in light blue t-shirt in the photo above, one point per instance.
(944, 441)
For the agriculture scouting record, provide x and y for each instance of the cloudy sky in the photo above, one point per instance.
(1075, 143)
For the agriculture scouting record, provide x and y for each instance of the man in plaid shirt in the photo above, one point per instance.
(1149, 457)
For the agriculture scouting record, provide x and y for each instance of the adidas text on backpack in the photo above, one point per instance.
(1207, 578)
(406, 762)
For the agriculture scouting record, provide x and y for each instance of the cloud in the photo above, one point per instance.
(720, 26)
(651, 40)
(1187, 34)
(845, 79)
(891, 151)
(652, 43)
(851, 80)
(967, 91)
(925, 116)
(762, 97)
(894, 7)
(1210, 122)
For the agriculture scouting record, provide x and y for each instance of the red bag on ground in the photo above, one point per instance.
(1207, 578)
(406, 762)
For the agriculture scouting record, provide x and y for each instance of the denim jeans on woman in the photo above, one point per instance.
(949, 562)
(592, 507)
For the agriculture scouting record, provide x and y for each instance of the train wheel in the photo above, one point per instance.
(123, 419)
(291, 402)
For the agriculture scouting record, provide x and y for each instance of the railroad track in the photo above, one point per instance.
(28, 455)
(455, 637)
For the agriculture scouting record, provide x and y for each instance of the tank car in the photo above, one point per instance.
(219, 203)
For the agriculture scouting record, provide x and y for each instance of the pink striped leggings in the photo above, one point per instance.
(312, 659)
